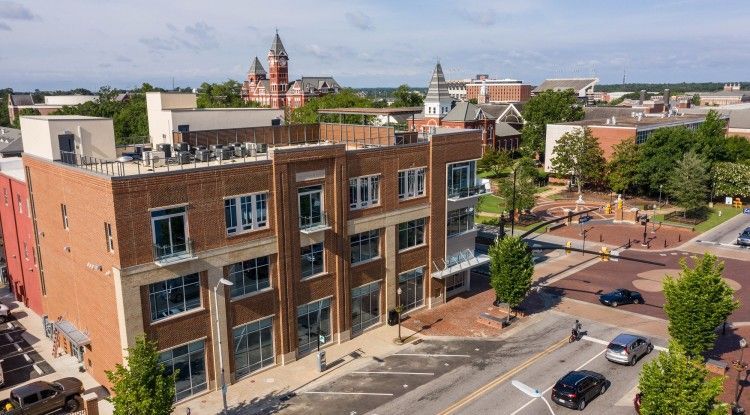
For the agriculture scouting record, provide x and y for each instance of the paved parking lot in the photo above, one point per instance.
(19, 360)
(645, 275)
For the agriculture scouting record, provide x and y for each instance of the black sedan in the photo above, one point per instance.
(621, 296)
(578, 388)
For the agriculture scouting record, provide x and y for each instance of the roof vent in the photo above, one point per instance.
(608, 121)
(614, 120)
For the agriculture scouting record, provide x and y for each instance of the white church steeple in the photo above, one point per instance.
(438, 102)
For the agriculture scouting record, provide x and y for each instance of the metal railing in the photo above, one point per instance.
(108, 167)
(312, 223)
(463, 192)
(173, 252)
(455, 259)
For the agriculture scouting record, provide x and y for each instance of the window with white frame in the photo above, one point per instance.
(249, 276)
(460, 221)
(246, 213)
(170, 236)
(364, 191)
(365, 246)
(461, 177)
(411, 183)
(312, 260)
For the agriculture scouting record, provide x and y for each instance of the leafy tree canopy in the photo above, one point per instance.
(222, 95)
(546, 108)
(494, 162)
(345, 98)
(732, 179)
(697, 302)
(525, 189)
(660, 154)
(622, 169)
(578, 153)
(688, 183)
(406, 97)
(511, 270)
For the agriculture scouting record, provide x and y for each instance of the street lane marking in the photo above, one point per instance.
(606, 343)
(347, 393)
(548, 389)
(395, 373)
(484, 389)
(431, 355)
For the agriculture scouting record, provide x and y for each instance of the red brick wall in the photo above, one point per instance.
(501, 92)
(609, 137)
(18, 230)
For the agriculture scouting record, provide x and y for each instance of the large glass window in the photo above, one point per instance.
(364, 191)
(411, 233)
(170, 232)
(189, 361)
(460, 221)
(411, 183)
(313, 325)
(174, 296)
(365, 246)
(461, 178)
(312, 260)
(253, 346)
(310, 206)
(411, 284)
(249, 276)
(246, 213)
(365, 306)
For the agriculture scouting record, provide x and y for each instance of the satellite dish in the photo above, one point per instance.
(125, 159)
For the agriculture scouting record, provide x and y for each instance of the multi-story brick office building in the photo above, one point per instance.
(317, 226)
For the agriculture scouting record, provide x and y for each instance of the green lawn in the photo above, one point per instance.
(491, 203)
(727, 212)
(485, 220)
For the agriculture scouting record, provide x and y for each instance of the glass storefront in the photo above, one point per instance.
(313, 320)
(190, 360)
(365, 306)
(253, 346)
(411, 284)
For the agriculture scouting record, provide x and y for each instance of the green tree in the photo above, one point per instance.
(697, 302)
(4, 117)
(345, 98)
(494, 162)
(732, 179)
(525, 191)
(738, 149)
(711, 141)
(405, 97)
(688, 183)
(24, 112)
(578, 153)
(473, 101)
(143, 387)
(675, 384)
(546, 108)
(222, 95)
(622, 169)
(511, 270)
(660, 154)
(695, 100)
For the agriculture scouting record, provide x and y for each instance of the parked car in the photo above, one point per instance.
(4, 313)
(621, 296)
(578, 388)
(38, 398)
(628, 348)
(584, 218)
(744, 238)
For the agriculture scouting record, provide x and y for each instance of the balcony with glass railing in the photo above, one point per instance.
(464, 192)
(174, 252)
(314, 223)
(457, 262)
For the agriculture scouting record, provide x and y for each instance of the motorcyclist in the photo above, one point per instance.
(576, 329)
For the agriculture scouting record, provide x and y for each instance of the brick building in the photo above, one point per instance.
(505, 91)
(19, 247)
(274, 89)
(317, 226)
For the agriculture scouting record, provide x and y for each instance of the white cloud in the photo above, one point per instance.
(359, 20)
(15, 11)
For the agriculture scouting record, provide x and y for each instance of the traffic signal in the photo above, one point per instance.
(567, 247)
(604, 255)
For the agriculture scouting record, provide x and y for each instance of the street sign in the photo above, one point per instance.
(746, 211)
(322, 338)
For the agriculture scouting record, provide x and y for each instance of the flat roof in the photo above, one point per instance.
(645, 121)
(372, 111)
(63, 117)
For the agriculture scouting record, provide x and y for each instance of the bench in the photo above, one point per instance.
(492, 321)
(717, 367)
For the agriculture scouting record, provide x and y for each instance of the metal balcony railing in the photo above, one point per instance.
(464, 192)
(460, 261)
(309, 224)
(168, 253)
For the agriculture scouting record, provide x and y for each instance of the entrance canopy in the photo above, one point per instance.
(72, 333)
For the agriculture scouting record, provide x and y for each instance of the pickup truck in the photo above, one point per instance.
(39, 398)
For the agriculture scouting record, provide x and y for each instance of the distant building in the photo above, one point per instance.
(725, 97)
(273, 89)
(487, 91)
(457, 88)
(583, 87)
(170, 112)
(614, 129)
(739, 123)
(52, 103)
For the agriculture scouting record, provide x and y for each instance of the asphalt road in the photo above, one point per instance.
(19, 361)
(428, 377)
(726, 233)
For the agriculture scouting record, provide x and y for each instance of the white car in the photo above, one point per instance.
(4, 313)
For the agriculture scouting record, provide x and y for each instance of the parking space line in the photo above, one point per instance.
(394, 373)
(18, 348)
(7, 336)
(26, 356)
(38, 370)
(18, 368)
(548, 389)
(606, 343)
(347, 393)
(431, 355)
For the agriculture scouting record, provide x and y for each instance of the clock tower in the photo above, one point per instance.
(278, 72)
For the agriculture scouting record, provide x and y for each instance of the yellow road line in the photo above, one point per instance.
(484, 389)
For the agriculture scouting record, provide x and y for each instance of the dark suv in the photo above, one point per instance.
(577, 388)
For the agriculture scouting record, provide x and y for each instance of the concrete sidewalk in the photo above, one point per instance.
(64, 365)
(263, 391)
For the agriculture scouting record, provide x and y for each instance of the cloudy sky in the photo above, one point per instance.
(61, 44)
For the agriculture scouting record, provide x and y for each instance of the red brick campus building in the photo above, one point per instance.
(317, 226)
(274, 90)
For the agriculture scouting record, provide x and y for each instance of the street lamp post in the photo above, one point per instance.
(226, 282)
(741, 366)
(531, 392)
(513, 207)
(399, 309)
(660, 195)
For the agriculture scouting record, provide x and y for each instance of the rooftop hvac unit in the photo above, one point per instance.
(183, 157)
(182, 146)
(166, 148)
(214, 147)
(252, 149)
(262, 148)
(154, 158)
(224, 153)
(202, 155)
(240, 151)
